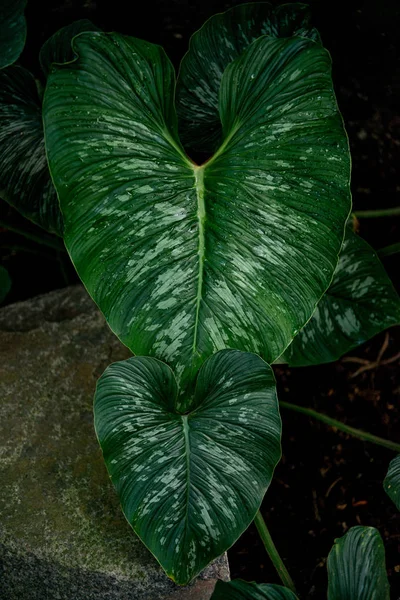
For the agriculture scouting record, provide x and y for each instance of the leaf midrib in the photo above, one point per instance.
(201, 216)
(185, 425)
(198, 172)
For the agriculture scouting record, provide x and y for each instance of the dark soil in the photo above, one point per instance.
(327, 481)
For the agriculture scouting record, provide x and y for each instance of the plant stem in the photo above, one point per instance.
(46, 240)
(358, 433)
(273, 552)
(389, 250)
(371, 214)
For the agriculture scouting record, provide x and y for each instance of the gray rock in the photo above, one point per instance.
(62, 533)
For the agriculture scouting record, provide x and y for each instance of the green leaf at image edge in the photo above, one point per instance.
(391, 483)
(25, 181)
(222, 39)
(24, 175)
(360, 302)
(189, 484)
(356, 566)
(12, 31)
(186, 260)
(244, 590)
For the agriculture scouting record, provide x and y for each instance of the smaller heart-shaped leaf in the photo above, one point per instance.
(189, 484)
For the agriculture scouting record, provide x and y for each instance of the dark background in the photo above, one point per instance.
(326, 482)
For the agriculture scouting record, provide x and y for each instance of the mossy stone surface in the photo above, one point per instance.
(62, 532)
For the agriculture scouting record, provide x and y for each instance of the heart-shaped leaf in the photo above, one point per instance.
(356, 566)
(360, 303)
(221, 40)
(244, 590)
(58, 48)
(391, 483)
(24, 175)
(186, 260)
(189, 484)
(12, 31)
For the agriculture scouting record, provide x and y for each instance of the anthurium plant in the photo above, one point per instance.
(208, 271)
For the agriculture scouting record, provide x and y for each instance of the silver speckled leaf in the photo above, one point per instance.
(185, 260)
(189, 484)
(222, 39)
(360, 303)
(25, 181)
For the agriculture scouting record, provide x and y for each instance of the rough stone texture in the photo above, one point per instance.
(62, 533)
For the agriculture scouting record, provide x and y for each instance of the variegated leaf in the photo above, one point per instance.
(12, 31)
(24, 175)
(221, 40)
(391, 483)
(25, 181)
(244, 590)
(185, 260)
(356, 566)
(191, 483)
(360, 303)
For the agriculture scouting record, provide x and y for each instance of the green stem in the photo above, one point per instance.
(45, 240)
(384, 212)
(273, 552)
(389, 250)
(358, 433)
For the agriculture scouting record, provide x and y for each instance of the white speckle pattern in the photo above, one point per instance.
(360, 303)
(219, 42)
(184, 260)
(24, 175)
(199, 478)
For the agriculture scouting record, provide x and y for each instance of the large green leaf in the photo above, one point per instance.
(244, 590)
(220, 41)
(24, 175)
(356, 566)
(12, 31)
(360, 303)
(186, 260)
(58, 48)
(391, 483)
(189, 484)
